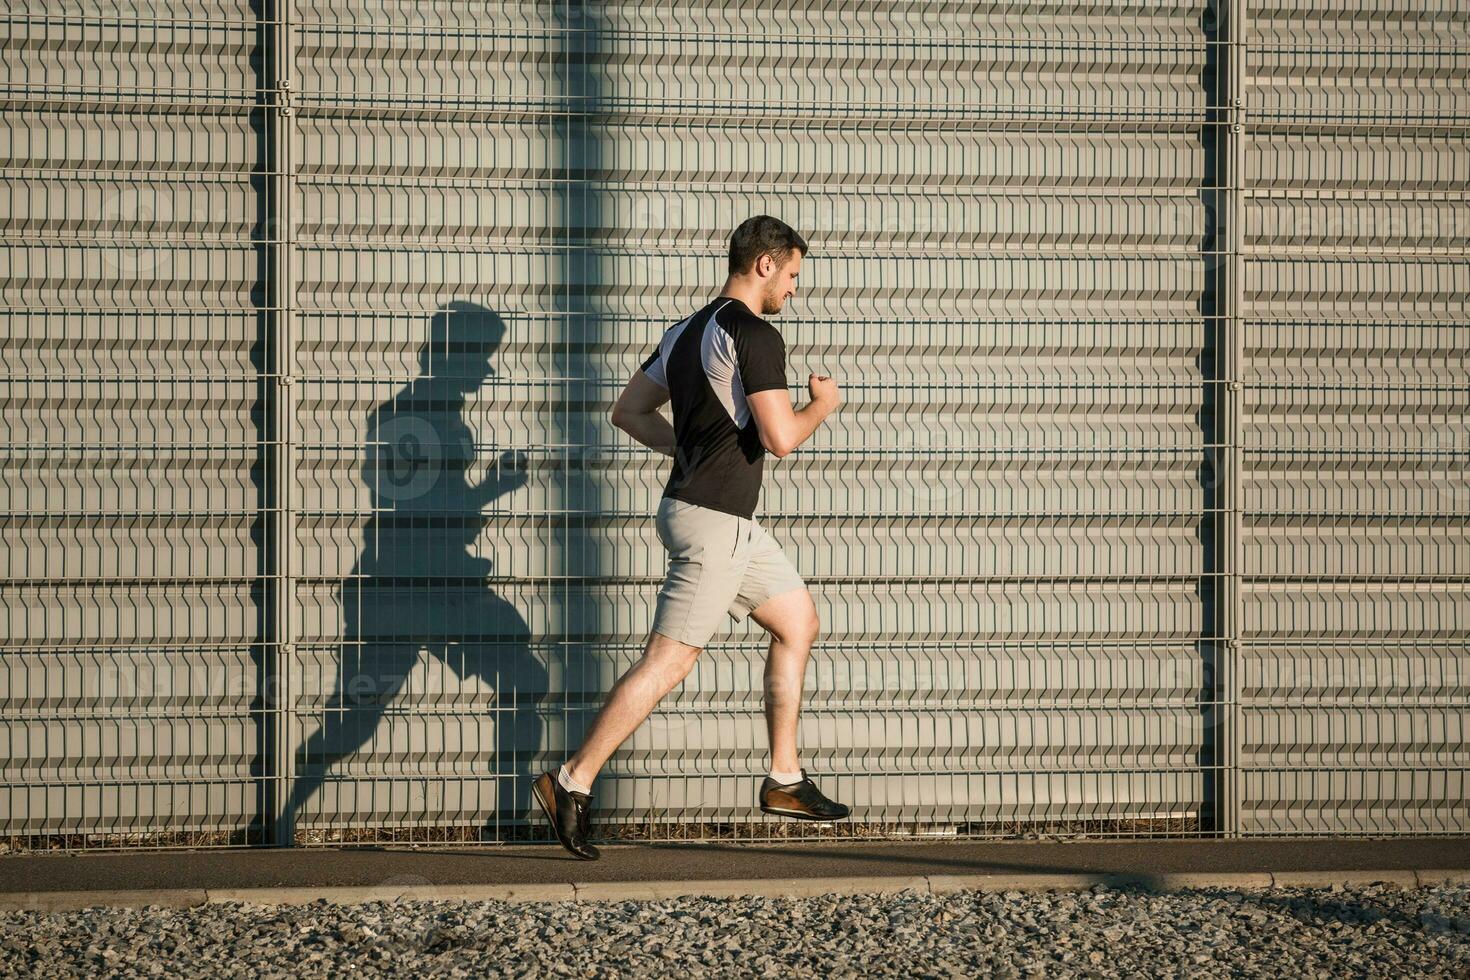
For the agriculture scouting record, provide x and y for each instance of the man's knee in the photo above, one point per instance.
(806, 629)
(796, 623)
(669, 654)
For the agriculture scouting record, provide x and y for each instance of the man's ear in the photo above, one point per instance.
(765, 266)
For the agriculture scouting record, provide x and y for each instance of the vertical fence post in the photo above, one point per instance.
(1229, 347)
(280, 440)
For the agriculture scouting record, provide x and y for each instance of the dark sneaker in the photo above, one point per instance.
(800, 800)
(568, 811)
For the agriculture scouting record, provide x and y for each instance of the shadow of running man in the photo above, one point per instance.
(416, 587)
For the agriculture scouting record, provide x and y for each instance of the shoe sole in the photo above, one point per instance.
(551, 819)
(801, 814)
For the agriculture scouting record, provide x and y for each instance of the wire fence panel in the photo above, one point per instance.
(1141, 514)
(1001, 527)
(1356, 667)
(129, 501)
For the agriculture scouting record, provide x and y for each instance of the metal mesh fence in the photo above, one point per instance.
(1354, 435)
(130, 392)
(1144, 513)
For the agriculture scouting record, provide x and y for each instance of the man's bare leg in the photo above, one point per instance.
(664, 665)
(791, 619)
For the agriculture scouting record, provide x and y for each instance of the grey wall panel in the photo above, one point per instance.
(620, 283)
(129, 499)
(671, 71)
(492, 211)
(1356, 431)
(129, 53)
(1015, 316)
(857, 546)
(432, 613)
(1358, 800)
(68, 614)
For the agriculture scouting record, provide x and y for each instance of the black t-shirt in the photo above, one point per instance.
(709, 362)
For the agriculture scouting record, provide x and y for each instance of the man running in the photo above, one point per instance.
(724, 369)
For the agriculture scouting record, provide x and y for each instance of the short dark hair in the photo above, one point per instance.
(762, 235)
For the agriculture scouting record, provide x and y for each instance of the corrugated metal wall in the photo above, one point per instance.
(1145, 511)
(1355, 666)
(130, 501)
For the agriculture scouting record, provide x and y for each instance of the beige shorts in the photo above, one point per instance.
(719, 564)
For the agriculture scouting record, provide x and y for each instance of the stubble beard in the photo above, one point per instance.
(771, 302)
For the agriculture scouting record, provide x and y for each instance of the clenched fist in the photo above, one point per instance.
(822, 388)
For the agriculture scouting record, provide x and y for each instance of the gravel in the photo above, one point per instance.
(1373, 931)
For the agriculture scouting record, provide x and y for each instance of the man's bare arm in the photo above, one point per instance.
(636, 413)
(781, 428)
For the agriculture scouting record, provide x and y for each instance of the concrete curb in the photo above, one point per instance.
(622, 891)
(359, 894)
(1326, 879)
(599, 891)
(1443, 877)
(176, 898)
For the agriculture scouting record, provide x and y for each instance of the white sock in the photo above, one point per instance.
(785, 778)
(569, 784)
